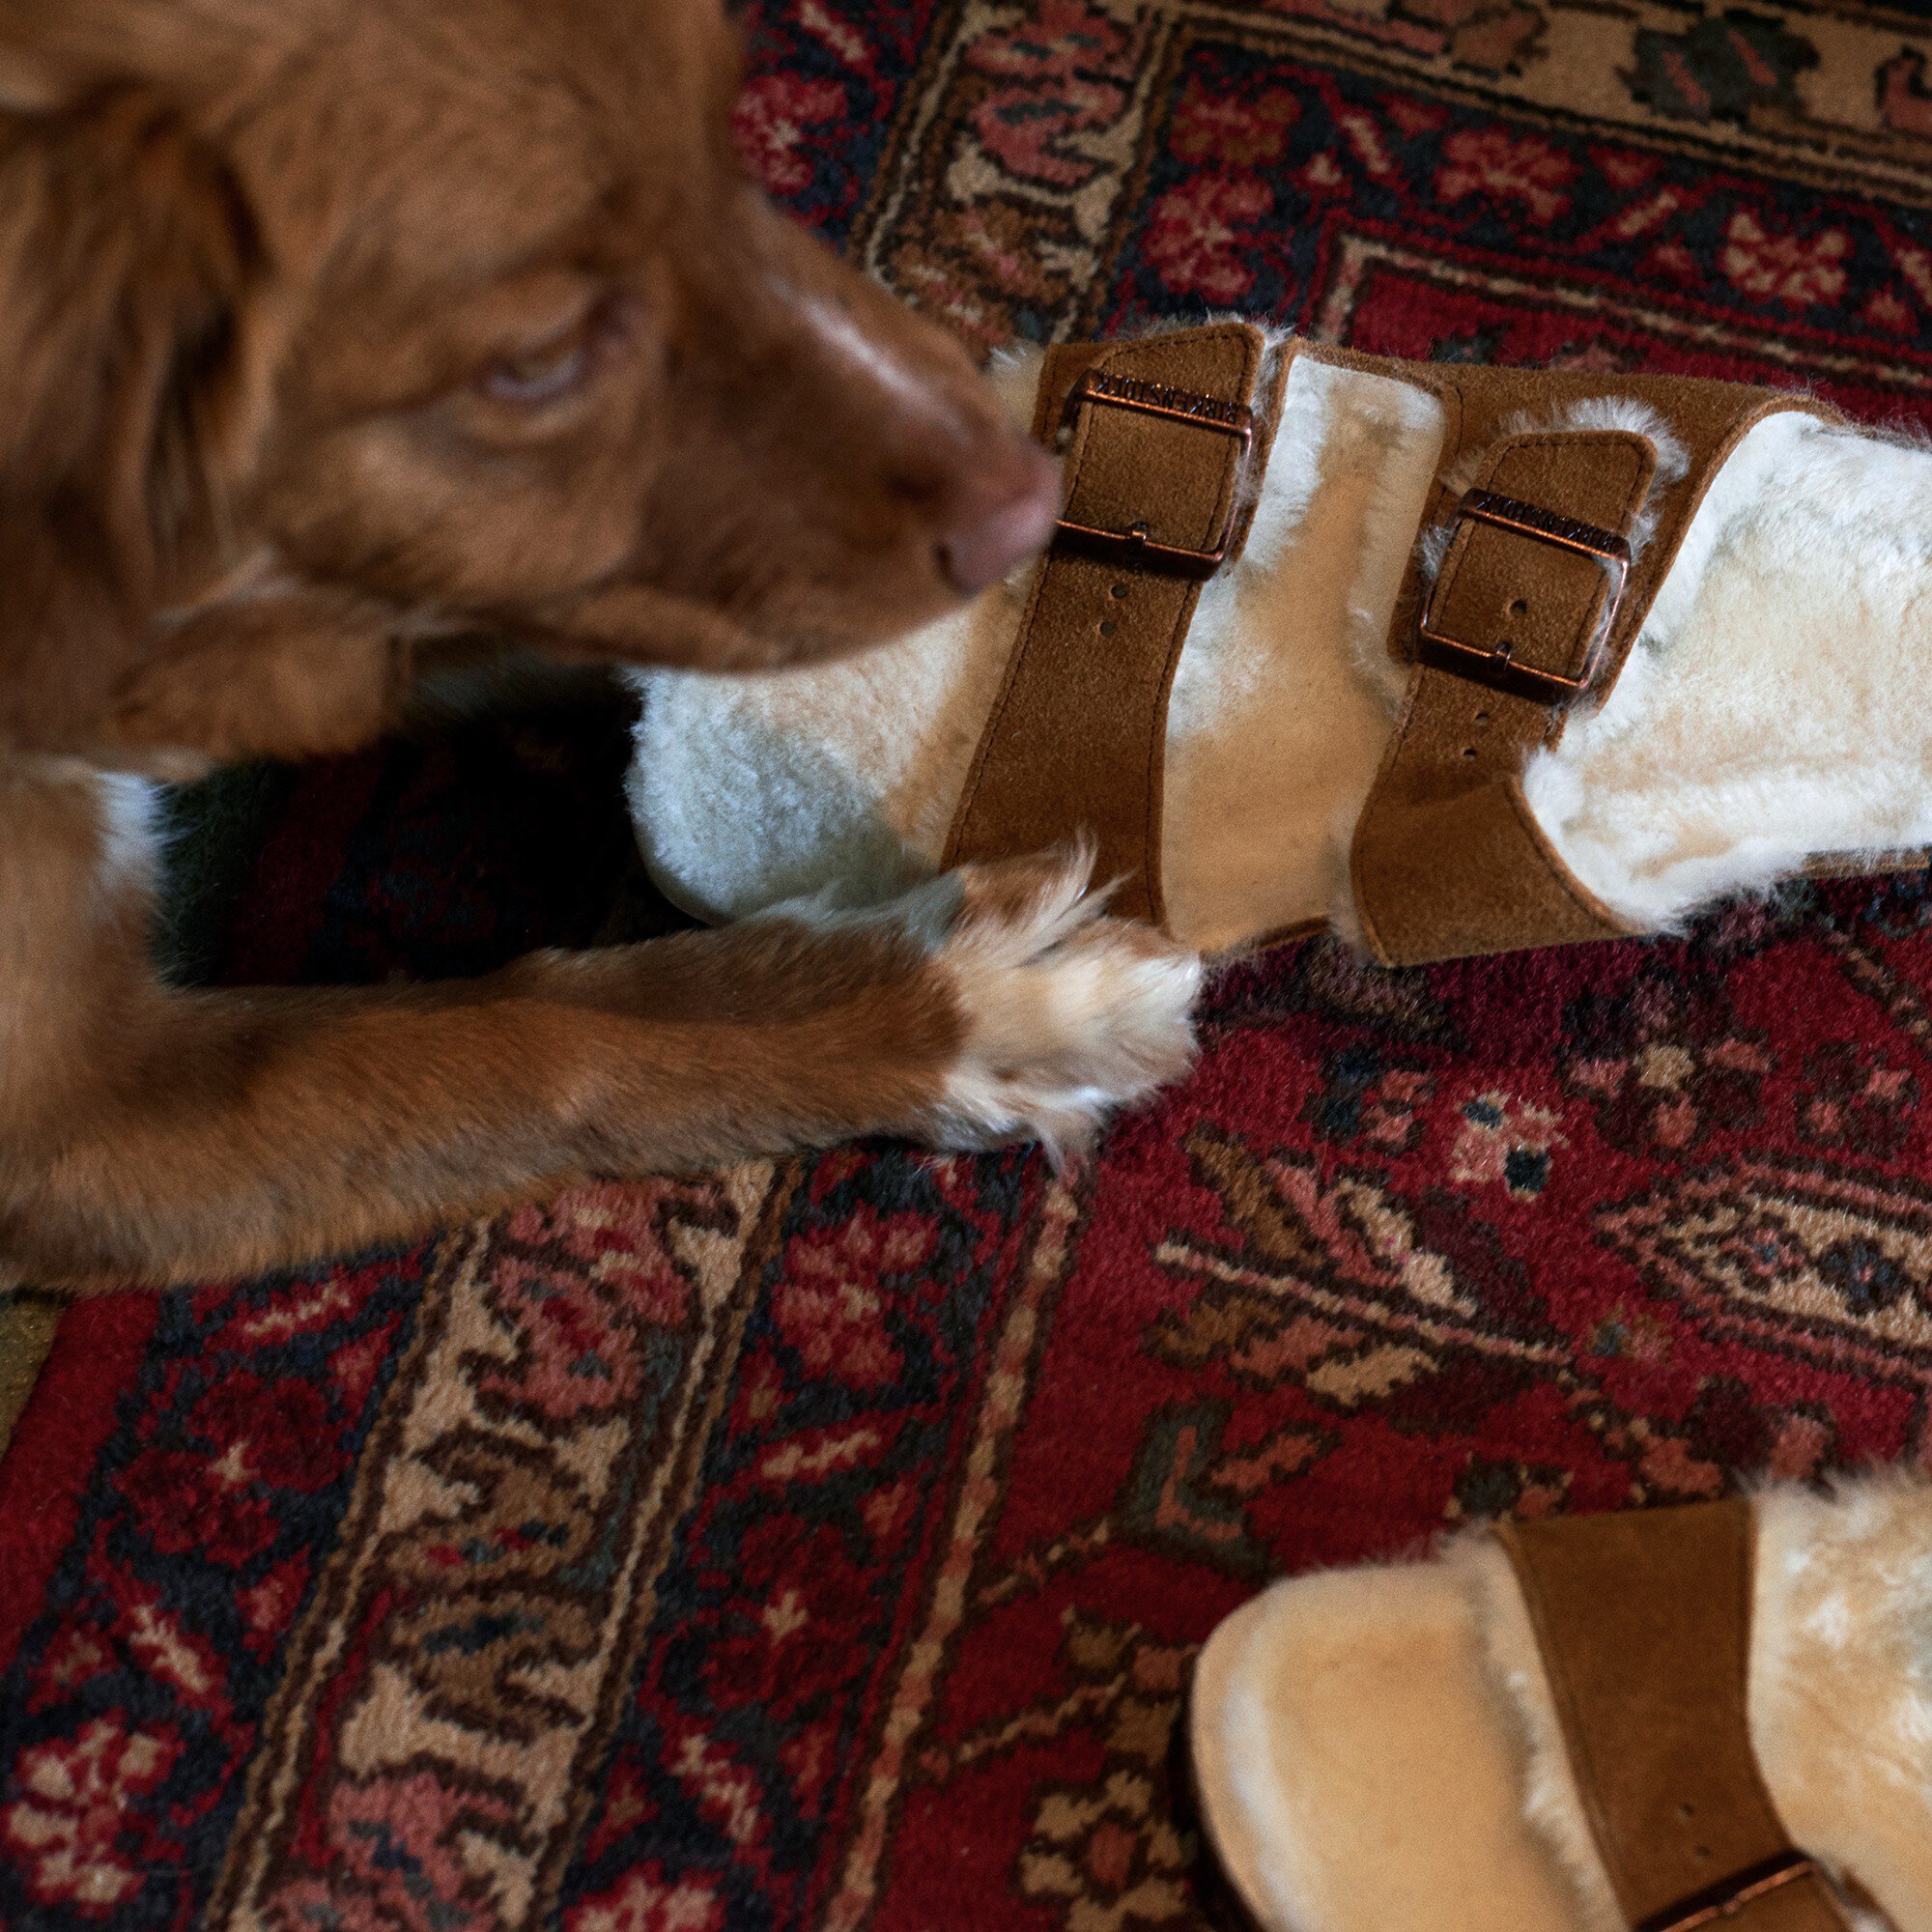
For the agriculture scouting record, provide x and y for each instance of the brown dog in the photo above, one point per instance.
(333, 327)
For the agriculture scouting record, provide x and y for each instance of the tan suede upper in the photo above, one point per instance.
(1643, 1619)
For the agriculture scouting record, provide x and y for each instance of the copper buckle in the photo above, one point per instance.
(1495, 665)
(1133, 545)
(1726, 1900)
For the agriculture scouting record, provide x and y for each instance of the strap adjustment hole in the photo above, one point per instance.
(1518, 608)
(1118, 590)
(1108, 627)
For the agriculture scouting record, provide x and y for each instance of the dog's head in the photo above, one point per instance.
(465, 306)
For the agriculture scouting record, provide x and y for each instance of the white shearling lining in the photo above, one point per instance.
(1282, 699)
(1841, 1681)
(1378, 1747)
(1775, 708)
(1354, 1770)
(1777, 704)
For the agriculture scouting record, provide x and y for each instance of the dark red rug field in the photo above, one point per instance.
(825, 1546)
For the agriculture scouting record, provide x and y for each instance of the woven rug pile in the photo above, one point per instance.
(825, 1544)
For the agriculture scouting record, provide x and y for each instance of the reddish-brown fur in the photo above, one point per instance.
(332, 330)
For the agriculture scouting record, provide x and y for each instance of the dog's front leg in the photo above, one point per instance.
(154, 1135)
(278, 674)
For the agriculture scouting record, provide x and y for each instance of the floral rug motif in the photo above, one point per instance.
(825, 1545)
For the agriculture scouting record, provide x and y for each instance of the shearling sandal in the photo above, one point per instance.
(1719, 1716)
(1459, 659)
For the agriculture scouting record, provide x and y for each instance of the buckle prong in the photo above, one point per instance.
(1133, 545)
(1494, 665)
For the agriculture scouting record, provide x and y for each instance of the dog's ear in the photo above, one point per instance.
(137, 346)
(134, 338)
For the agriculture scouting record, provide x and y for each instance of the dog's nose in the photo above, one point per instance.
(1000, 517)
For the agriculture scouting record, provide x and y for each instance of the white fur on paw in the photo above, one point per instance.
(1069, 1013)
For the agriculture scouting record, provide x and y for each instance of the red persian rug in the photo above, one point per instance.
(825, 1545)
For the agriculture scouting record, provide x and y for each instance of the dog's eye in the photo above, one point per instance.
(545, 375)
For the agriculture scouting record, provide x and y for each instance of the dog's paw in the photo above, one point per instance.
(1067, 1013)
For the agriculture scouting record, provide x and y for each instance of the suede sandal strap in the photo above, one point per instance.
(1558, 540)
(1164, 432)
(1644, 1619)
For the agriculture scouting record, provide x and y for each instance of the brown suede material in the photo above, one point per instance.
(1644, 1622)
(1077, 738)
(1447, 859)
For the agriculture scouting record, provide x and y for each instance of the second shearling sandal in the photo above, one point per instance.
(1658, 1722)
(1306, 649)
